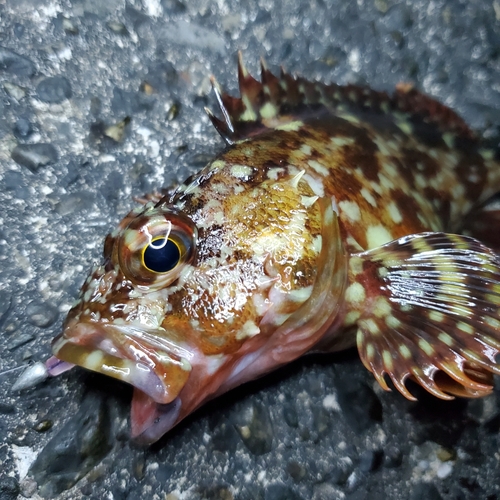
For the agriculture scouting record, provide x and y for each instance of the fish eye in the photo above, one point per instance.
(161, 255)
(155, 245)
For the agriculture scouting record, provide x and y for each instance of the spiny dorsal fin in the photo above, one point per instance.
(433, 314)
(277, 100)
(410, 100)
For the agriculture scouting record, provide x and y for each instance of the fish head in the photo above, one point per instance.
(202, 291)
(115, 326)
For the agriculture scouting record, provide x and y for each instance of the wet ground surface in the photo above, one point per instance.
(101, 101)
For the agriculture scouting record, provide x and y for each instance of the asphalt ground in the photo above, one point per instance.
(102, 101)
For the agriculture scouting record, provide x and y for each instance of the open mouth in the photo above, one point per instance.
(148, 360)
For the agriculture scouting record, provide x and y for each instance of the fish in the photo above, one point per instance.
(333, 218)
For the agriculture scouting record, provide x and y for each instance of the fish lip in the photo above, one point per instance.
(149, 421)
(127, 354)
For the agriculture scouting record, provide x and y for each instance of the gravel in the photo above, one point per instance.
(102, 101)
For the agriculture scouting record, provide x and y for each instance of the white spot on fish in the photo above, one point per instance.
(317, 243)
(371, 326)
(376, 187)
(382, 307)
(387, 357)
(351, 210)
(291, 126)
(420, 181)
(306, 149)
(436, 316)
(261, 304)
(385, 182)
(317, 167)
(394, 212)
(368, 197)
(405, 127)
(308, 201)
(268, 111)
(217, 165)
(355, 294)
(273, 173)
(351, 318)
(94, 360)
(458, 191)
(377, 236)
(341, 141)
(241, 171)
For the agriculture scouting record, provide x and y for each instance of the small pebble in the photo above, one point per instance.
(43, 426)
(11, 62)
(14, 90)
(75, 202)
(34, 156)
(41, 314)
(18, 30)
(69, 26)
(23, 128)
(28, 487)
(255, 428)
(117, 131)
(117, 27)
(9, 488)
(54, 89)
(173, 111)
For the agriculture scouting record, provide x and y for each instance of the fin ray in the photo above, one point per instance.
(280, 99)
(440, 324)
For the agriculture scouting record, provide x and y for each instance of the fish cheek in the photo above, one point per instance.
(204, 321)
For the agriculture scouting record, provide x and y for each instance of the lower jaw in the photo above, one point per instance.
(137, 374)
(149, 421)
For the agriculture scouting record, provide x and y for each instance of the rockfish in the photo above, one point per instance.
(331, 220)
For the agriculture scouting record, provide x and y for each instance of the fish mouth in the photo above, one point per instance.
(147, 359)
(149, 420)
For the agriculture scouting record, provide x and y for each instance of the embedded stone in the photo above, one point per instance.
(41, 314)
(54, 90)
(12, 62)
(34, 156)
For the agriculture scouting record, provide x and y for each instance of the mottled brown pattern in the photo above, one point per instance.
(419, 161)
(473, 173)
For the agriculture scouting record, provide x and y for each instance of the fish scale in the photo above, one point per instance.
(328, 221)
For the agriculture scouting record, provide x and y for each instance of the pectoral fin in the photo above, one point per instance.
(432, 313)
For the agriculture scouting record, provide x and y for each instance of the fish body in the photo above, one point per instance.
(329, 221)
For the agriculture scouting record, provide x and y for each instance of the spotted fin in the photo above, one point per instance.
(277, 101)
(431, 313)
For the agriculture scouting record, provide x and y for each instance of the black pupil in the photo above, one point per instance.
(161, 256)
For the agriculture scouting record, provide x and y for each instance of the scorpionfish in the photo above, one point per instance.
(332, 219)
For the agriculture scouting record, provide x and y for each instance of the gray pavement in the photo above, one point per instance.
(101, 101)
